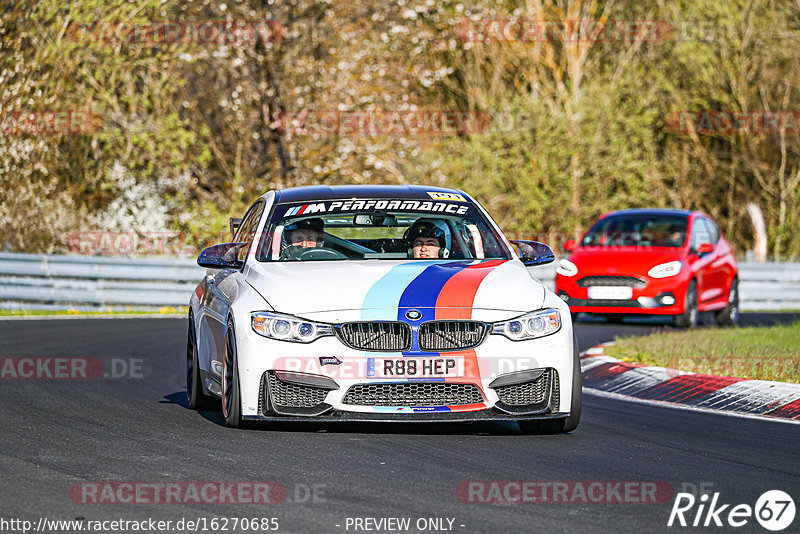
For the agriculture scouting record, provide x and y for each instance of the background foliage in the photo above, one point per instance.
(191, 131)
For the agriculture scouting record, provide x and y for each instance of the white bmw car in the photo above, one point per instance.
(379, 303)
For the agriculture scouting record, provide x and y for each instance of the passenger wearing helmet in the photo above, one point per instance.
(428, 238)
(306, 233)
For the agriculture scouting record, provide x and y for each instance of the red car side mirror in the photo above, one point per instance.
(705, 248)
(570, 245)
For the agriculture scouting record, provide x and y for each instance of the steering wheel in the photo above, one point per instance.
(313, 253)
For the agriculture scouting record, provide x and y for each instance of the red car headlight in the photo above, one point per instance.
(665, 270)
(566, 268)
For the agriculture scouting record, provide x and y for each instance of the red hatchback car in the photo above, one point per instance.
(654, 262)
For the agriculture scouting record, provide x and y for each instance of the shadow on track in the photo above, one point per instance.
(480, 428)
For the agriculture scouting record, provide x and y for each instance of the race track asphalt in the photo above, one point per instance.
(59, 434)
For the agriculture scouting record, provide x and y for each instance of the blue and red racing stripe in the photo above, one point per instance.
(439, 291)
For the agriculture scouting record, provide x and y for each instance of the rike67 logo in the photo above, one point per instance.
(774, 510)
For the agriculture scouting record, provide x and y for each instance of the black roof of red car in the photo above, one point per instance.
(650, 211)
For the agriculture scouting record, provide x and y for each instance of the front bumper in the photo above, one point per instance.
(260, 358)
(664, 296)
(522, 393)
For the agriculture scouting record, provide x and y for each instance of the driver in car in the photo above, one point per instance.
(306, 233)
(674, 238)
(428, 238)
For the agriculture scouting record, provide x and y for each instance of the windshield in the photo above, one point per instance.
(379, 229)
(637, 231)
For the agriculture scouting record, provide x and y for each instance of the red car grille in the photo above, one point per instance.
(620, 281)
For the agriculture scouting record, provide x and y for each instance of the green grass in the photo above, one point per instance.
(767, 352)
(30, 313)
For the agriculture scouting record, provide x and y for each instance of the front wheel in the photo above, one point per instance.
(231, 393)
(729, 315)
(198, 400)
(688, 319)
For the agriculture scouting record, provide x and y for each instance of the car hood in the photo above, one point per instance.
(384, 290)
(622, 260)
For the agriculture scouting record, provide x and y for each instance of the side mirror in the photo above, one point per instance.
(234, 223)
(534, 253)
(705, 248)
(221, 257)
(570, 245)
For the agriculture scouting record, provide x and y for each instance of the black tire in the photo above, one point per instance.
(195, 395)
(689, 317)
(557, 426)
(729, 315)
(231, 394)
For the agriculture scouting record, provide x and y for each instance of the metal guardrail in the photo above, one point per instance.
(90, 282)
(41, 281)
(762, 286)
(769, 286)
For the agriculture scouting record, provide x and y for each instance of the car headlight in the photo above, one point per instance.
(566, 268)
(529, 326)
(288, 328)
(665, 270)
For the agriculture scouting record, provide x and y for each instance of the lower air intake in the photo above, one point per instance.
(413, 394)
(293, 395)
(533, 392)
(534, 396)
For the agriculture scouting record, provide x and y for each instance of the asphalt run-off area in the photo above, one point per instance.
(84, 448)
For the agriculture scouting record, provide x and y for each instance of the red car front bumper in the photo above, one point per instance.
(648, 296)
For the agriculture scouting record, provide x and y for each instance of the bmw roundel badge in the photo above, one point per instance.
(413, 315)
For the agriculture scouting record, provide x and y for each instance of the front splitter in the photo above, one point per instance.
(439, 417)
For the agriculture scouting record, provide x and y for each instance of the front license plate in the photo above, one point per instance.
(610, 293)
(444, 367)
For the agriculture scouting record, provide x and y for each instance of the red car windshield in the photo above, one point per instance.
(637, 231)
